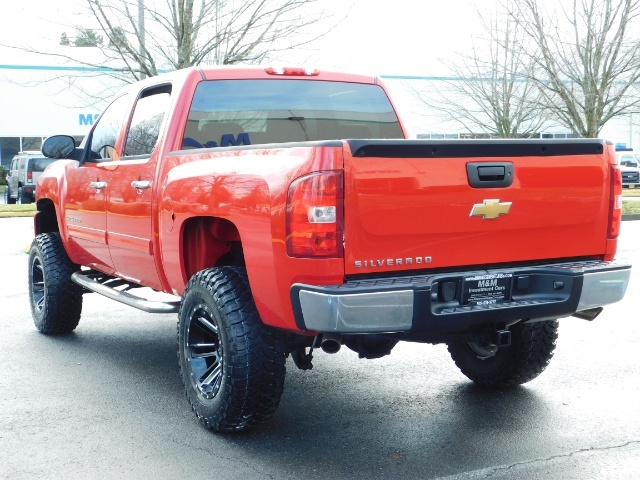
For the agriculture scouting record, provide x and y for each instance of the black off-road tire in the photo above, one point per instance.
(232, 366)
(7, 197)
(56, 302)
(531, 349)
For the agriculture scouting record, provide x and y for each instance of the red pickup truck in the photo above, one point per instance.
(282, 210)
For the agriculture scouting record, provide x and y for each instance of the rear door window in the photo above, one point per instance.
(250, 112)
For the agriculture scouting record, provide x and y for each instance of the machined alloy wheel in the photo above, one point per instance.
(232, 366)
(37, 285)
(56, 302)
(204, 352)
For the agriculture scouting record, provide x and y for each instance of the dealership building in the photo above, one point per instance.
(41, 97)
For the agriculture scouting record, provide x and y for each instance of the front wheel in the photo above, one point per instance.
(531, 349)
(232, 366)
(56, 302)
(7, 196)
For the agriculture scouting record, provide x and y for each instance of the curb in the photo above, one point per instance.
(635, 216)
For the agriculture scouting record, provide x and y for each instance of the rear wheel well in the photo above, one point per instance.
(210, 242)
(46, 219)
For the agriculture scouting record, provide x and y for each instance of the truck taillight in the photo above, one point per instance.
(615, 203)
(314, 216)
(29, 176)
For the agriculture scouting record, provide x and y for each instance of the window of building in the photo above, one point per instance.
(9, 146)
(31, 143)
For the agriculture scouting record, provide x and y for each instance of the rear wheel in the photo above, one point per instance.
(56, 302)
(531, 349)
(232, 367)
(23, 198)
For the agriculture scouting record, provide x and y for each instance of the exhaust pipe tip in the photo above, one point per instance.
(331, 342)
(589, 314)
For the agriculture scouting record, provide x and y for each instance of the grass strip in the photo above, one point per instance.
(8, 211)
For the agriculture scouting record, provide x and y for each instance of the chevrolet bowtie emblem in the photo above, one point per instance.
(490, 209)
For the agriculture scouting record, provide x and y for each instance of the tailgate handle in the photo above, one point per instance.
(490, 175)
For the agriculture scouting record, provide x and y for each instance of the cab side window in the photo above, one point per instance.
(147, 120)
(106, 131)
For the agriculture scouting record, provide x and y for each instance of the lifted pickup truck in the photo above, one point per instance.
(282, 211)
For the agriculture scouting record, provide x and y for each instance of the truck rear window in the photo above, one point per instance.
(250, 112)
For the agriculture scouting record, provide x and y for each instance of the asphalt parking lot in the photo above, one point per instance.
(107, 402)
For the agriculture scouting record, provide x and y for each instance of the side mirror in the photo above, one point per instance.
(59, 146)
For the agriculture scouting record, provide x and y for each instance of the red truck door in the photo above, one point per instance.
(85, 219)
(129, 209)
(85, 195)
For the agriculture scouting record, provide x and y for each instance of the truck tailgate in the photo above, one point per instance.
(425, 204)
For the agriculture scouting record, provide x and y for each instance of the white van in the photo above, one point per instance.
(25, 169)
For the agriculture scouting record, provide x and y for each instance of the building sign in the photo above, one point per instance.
(88, 119)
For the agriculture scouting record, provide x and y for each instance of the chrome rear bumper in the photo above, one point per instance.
(405, 304)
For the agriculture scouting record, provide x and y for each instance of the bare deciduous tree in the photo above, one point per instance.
(182, 33)
(588, 61)
(146, 37)
(489, 90)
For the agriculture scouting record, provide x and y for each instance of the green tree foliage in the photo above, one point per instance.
(88, 38)
(85, 37)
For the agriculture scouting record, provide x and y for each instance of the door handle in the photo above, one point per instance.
(141, 184)
(490, 174)
(99, 185)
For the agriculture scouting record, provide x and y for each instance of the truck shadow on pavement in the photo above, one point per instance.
(345, 418)
(395, 431)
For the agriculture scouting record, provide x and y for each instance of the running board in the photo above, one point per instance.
(121, 296)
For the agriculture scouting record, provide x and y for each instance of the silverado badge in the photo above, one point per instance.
(490, 209)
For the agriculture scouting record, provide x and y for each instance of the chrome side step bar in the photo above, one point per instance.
(150, 306)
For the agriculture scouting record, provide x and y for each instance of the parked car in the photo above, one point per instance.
(630, 167)
(25, 169)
